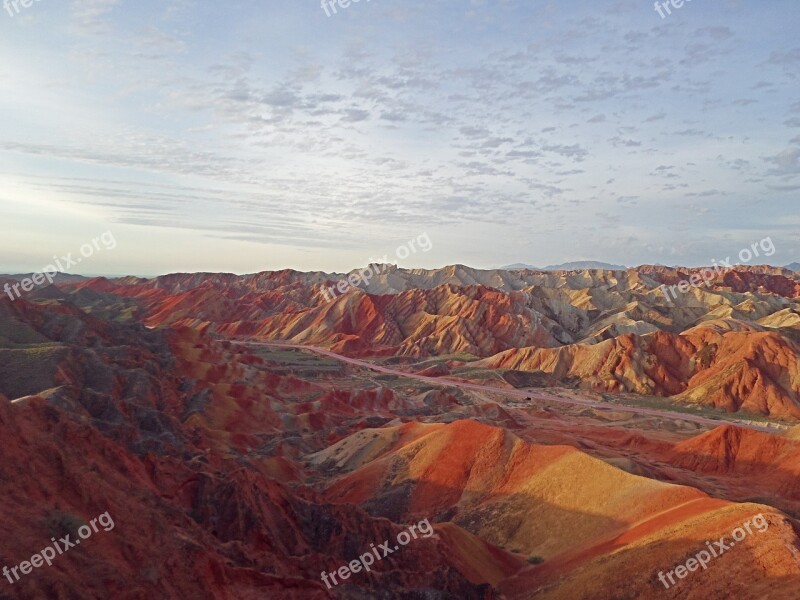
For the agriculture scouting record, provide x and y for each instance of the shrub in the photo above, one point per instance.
(61, 523)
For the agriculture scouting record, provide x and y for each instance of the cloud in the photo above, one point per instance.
(575, 151)
(91, 16)
(387, 116)
(786, 163)
(354, 115)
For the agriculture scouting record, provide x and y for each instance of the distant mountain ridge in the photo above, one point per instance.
(58, 278)
(795, 266)
(581, 265)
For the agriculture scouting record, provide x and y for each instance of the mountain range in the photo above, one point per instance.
(567, 266)
(566, 433)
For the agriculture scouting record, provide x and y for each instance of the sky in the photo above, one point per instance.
(255, 135)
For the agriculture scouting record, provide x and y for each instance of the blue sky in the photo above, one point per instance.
(255, 135)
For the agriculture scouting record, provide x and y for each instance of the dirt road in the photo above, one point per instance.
(445, 381)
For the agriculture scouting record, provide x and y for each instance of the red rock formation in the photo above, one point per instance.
(752, 371)
(232, 475)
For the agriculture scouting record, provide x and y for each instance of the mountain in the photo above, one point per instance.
(573, 512)
(750, 370)
(234, 470)
(604, 331)
(156, 428)
(795, 266)
(58, 278)
(568, 266)
(585, 265)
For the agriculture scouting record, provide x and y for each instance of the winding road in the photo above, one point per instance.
(517, 393)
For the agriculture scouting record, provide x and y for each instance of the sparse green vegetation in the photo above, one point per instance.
(708, 412)
(436, 360)
(60, 523)
(482, 375)
(14, 333)
(26, 371)
(297, 360)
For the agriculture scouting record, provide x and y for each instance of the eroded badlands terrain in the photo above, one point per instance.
(567, 434)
